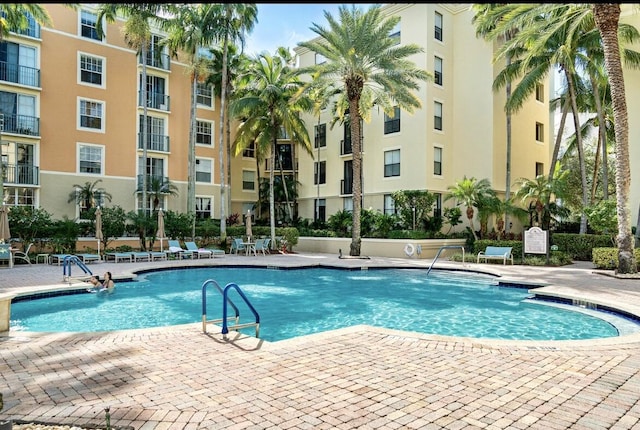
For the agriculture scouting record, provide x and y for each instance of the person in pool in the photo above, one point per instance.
(108, 285)
(95, 284)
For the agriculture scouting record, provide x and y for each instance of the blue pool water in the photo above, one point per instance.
(298, 302)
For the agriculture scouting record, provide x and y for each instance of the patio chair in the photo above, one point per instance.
(262, 245)
(5, 255)
(176, 249)
(23, 255)
(199, 252)
(88, 258)
(237, 245)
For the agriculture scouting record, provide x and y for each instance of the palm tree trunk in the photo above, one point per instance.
(191, 180)
(356, 146)
(556, 148)
(228, 153)
(607, 16)
(583, 173)
(272, 199)
(286, 191)
(145, 135)
(602, 142)
(221, 146)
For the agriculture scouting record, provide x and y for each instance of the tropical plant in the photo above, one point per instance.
(88, 194)
(15, 17)
(607, 17)
(158, 188)
(266, 106)
(364, 67)
(113, 224)
(468, 192)
(540, 193)
(413, 207)
(192, 28)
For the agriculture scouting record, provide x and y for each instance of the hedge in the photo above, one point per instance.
(607, 258)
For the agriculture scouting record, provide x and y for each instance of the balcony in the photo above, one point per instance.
(155, 100)
(10, 72)
(156, 142)
(160, 61)
(21, 124)
(21, 174)
(154, 182)
(346, 187)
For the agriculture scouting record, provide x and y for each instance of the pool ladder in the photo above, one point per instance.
(66, 267)
(440, 250)
(226, 301)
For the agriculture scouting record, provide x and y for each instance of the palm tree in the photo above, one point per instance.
(236, 20)
(15, 17)
(194, 27)
(540, 194)
(469, 192)
(268, 103)
(88, 194)
(158, 188)
(137, 35)
(607, 17)
(365, 67)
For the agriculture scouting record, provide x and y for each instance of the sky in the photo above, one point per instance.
(286, 24)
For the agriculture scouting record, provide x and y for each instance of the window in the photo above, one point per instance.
(437, 209)
(539, 169)
(19, 112)
(204, 94)
(319, 172)
(539, 132)
(389, 205)
(90, 159)
(437, 116)
(156, 96)
(320, 210)
(90, 69)
(540, 92)
(320, 58)
(437, 70)
(250, 152)
(19, 64)
(203, 170)
(248, 180)
(203, 207)
(156, 53)
(320, 136)
(392, 163)
(91, 114)
(156, 137)
(88, 22)
(392, 125)
(438, 26)
(395, 34)
(437, 161)
(347, 204)
(204, 133)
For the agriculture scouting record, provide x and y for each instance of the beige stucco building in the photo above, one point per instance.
(72, 110)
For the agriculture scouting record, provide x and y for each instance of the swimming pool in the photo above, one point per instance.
(296, 302)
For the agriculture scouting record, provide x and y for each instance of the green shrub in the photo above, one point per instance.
(607, 258)
(579, 246)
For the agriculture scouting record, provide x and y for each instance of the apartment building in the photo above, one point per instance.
(459, 130)
(73, 109)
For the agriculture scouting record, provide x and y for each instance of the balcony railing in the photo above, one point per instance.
(346, 187)
(21, 124)
(160, 181)
(155, 100)
(160, 61)
(156, 142)
(21, 174)
(10, 72)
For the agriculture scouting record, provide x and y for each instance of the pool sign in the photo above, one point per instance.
(536, 241)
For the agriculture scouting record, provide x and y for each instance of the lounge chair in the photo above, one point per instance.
(140, 256)
(199, 252)
(237, 245)
(157, 255)
(117, 256)
(58, 258)
(176, 249)
(88, 258)
(5, 255)
(19, 255)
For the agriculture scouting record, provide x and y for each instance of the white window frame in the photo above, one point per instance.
(437, 150)
(210, 96)
(79, 147)
(438, 105)
(438, 63)
(393, 154)
(245, 179)
(211, 134)
(81, 114)
(80, 16)
(103, 72)
(199, 162)
(199, 198)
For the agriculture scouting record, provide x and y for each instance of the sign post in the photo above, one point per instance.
(535, 241)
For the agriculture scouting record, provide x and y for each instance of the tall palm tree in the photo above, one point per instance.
(88, 194)
(15, 17)
(540, 194)
(193, 28)
(607, 17)
(269, 103)
(158, 188)
(236, 20)
(137, 35)
(469, 192)
(365, 67)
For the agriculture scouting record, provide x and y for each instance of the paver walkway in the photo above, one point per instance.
(355, 378)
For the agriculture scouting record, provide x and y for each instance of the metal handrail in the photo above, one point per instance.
(440, 250)
(225, 327)
(204, 305)
(66, 266)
